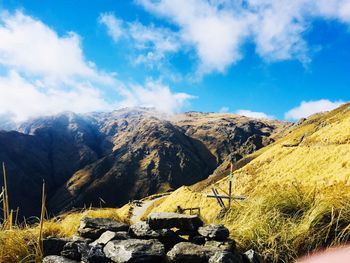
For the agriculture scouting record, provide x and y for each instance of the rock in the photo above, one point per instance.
(186, 252)
(58, 259)
(105, 223)
(104, 238)
(53, 245)
(166, 236)
(170, 220)
(225, 257)
(143, 230)
(94, 227)
(92, 233)
(75, 250)
(71, 253)
(214, 231)
(228, 245)
(169, 238)
(135, 250)
(81, 239)
(95, 255)
(186, 232)
(197, 239)
(122, 235)
(251, 256)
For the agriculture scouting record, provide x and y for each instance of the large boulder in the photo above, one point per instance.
(94, 227)
(53, 245)
(58, 259)
(186, 252)
(135, 250)
(225, 257)
(170, 220)
(214, 231)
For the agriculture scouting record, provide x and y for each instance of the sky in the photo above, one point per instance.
(259, 58)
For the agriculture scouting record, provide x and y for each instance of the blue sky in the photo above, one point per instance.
(260, 58)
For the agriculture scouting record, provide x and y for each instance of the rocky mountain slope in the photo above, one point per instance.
(110, 158)
(296, 189)
(229, 134)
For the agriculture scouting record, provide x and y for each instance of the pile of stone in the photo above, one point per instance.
(165, 237)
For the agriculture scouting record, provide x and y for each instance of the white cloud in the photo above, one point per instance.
(307, 108)
(42, 73)
(224, 109)
(21, 99)
(277, 29)
(155, 95)
(114, 26)
(217, 29)
(152, 43)
(214, 33)
(29, 46)
(254, 114)
(155, 42)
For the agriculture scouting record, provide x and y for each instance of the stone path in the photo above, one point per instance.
(138, 211)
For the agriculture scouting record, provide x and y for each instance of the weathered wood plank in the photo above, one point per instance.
(235, 197)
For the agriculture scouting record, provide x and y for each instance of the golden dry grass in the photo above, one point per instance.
(20, 243)
(298, 192)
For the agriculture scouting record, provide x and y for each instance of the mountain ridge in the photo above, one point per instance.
(110, 158)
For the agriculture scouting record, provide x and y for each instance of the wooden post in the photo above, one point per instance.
(230, 186)
(221, 203)
(219, 198)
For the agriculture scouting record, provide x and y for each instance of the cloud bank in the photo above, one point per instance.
(307, 108)
(217, 29)
(157, 95)
(43, 73)
(254, 114)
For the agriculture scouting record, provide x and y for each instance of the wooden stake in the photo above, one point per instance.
(230, 186)
(3, 206)
(10, 221)
(16, 219)
(42, 217)
(216, 194)
(5, 198)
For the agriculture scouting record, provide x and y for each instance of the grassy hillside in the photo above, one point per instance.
(297, 191)
(21, 243)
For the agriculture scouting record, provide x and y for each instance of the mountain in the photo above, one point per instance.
(296, 189)
(229, 134)
(110, 158)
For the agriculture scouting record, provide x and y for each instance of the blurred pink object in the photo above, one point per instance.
(333, 255)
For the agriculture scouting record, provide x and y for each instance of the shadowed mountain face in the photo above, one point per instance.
(110, 158)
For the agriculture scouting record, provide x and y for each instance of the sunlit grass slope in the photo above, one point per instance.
(298, 192)
(20, 243)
